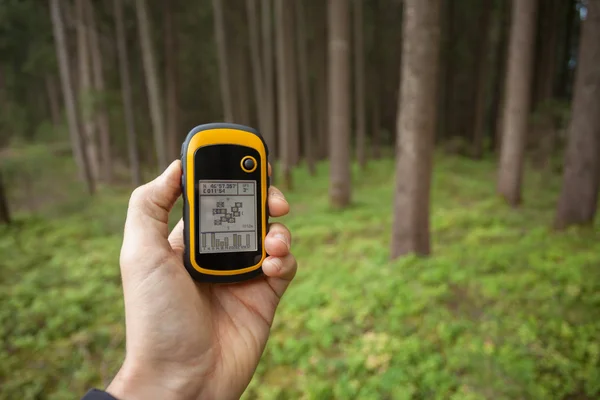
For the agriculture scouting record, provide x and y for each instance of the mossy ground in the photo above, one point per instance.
(505, 308)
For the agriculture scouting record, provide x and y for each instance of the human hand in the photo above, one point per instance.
(189, 340)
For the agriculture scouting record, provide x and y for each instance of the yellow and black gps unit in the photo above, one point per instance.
(224, 184)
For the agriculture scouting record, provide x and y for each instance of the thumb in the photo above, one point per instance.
(146, 226)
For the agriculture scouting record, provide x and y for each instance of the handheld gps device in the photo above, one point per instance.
(224, 186)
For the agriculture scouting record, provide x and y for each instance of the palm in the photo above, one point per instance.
(232, 321)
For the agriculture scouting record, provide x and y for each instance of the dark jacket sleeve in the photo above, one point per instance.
(96, 394)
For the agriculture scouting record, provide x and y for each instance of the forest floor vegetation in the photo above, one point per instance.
(505, 308)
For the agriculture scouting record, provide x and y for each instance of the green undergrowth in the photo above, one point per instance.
(505, 308)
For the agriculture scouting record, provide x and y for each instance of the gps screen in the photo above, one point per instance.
(227, 216)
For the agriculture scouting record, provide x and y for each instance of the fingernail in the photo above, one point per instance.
(283, 238)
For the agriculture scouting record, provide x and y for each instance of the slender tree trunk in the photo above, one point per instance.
(4, 209)
(255, 58)
(99, 104)
(240, 89)
(339, 103)
(224, 75)
(291, 62)
(307, 125)
(171, 78)
(154, 96)
(359, 84)
(283, 82)
(482, 71)
(85, 89)
(516, 108)
(132, 149)
(376, 146)
(375, 84)
(320, 70)
(449, 71)
(500, 76)
(53, 99)
(578, 200)
(62, 56)
(416, 127)
(268, 97)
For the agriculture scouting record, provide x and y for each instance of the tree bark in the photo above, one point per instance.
(291, 62)
(578, 200)
(307, 125)
(359, 84)
(268, 99)
(320, 69)
(416, 127)
(339, 103)
(172, 84)
(4, 209)
(53, 99)
(85, 89)
(62, 56)
(375, 84)
(255, 58)
(517, 103)
(152, 85)
(99, 103)
(283, 82)
(482, 72)
(132, 149)
(222, 58)
(500, 76)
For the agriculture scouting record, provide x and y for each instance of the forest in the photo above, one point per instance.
(441, 159)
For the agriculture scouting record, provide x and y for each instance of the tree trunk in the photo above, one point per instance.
(53, 99)
(482, 71)
(132, 150)
(291, 62)
(152, 85)
(578, 199)
(4, 209)
(416, 127)
(517, 103)
(255, 58)
(449, 70)
(283, 90)
(359, 84)
(339, 103)
(375, 84)
(307, 125)
(268, 99)
(500, 76)
(62, 56)
(99, 103)
(241, 90)
(172, 84)
(223, 63)
(320, 71)
(85, 89)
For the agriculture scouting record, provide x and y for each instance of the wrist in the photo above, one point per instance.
(134, 382)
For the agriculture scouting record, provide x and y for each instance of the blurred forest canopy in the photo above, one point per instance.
(351, 95)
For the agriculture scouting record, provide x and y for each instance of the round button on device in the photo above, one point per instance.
(248, 164)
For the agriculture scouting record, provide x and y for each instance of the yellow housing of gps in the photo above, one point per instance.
(224, 187)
